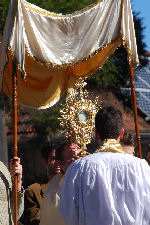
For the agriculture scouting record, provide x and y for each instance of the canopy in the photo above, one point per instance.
(54, 50)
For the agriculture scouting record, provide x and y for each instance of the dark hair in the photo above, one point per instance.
(108, 122)
(50, 146)
(128, 139)
(60, 149)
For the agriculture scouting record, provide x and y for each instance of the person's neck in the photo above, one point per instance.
(100, 141)
(110, 145)
(50, 176)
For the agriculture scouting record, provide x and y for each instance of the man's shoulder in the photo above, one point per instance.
(109, 156)
(35, 187)
(109, 159)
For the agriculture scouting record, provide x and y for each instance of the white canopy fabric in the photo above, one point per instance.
(54, 50)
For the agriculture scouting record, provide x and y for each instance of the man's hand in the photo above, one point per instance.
(16, 169)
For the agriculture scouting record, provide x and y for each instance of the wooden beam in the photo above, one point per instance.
(134, 104)
(15, 149)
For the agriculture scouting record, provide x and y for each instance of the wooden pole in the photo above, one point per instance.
(134, 104)
(14, 106)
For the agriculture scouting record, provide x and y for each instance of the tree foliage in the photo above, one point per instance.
(107, 76)
(62, 6)
(46, 123)
(139, 31)
(3, 13)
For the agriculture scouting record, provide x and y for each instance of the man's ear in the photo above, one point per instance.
(121, 133)
(44, 162)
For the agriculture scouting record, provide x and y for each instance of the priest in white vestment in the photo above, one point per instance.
(109, 187)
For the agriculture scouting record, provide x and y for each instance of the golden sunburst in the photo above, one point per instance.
(77, 116)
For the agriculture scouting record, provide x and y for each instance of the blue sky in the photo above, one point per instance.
(143, 6)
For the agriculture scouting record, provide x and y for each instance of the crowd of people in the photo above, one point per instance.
(108, 187)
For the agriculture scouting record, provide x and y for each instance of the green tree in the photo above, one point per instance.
(139, 31)
(62, 6)
(3, 13)
(107, 76)
(46, 122)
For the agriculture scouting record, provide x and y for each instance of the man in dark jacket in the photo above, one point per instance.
(34, 193)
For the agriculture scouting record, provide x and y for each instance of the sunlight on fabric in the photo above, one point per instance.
(54, 50)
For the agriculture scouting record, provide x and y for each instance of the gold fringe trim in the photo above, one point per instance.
(111, 145)
(130, 54)
(62, 66)
(51, 14)
(117, 43)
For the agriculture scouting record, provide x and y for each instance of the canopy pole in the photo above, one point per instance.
(134, 104)
(14, 107)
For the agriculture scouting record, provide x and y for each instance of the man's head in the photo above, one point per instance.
(49, 159)
(68, 152)
(109, 123)
(128, 142)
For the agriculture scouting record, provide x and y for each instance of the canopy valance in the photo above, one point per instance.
(54, 50)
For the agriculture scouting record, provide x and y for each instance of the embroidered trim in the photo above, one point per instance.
(111, 145)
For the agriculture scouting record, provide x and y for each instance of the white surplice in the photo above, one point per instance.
(106, 189)
(50, 214)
